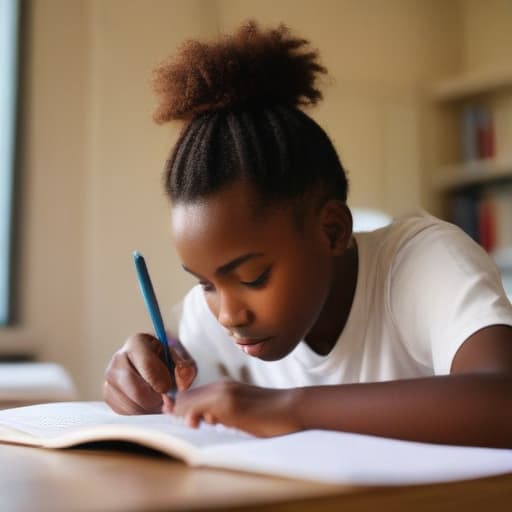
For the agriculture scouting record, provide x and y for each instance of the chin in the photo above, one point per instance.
(271, 357)
(275, 355)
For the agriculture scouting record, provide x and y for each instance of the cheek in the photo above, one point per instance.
(307, 296)
(297, 296)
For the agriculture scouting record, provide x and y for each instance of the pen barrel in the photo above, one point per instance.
(167, 356)
(148, 294)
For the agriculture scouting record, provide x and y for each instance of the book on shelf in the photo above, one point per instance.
(319, 455)
(485, 134)
(465, 214)
(502, 203)
(477, 133)
(487, 217)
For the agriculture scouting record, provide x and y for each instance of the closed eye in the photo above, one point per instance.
(207, 287)
(259, 281)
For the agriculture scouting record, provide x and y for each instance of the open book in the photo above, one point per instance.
(331, 457)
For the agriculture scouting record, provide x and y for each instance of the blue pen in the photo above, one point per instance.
(148, 294)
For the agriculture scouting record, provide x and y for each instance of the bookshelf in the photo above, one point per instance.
(474, 159)
(477, 173)
(467, 86)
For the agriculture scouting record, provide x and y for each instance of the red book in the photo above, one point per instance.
(485, 134)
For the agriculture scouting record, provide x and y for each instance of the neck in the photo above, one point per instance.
(334, 315)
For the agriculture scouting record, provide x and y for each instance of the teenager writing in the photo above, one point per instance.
(403, 332)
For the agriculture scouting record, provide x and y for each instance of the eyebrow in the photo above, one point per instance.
(230, 265)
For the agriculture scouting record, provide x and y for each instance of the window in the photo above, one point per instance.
(9, 27)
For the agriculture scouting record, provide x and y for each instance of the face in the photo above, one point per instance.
(265, 280)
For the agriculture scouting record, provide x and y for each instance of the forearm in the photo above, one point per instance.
(457, 409)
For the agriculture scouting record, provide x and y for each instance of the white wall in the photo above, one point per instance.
(487, 34)
(55, 163)
(93, 158)
(126, 208)
(381, 55)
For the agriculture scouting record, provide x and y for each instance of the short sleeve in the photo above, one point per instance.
(443, 288)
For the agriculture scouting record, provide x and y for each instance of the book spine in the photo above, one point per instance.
(469, 138)
(465, 214)
(487, 223)
(485, 133)
(477, 134)
(503, 211)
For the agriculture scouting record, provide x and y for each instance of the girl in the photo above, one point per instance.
(403, 332)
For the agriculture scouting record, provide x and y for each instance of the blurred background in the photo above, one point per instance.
(418, 104)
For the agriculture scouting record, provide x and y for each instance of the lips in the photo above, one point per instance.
(249, 341)
(251, 346)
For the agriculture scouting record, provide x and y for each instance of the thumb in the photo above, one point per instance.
(184, 374)
(185, 367)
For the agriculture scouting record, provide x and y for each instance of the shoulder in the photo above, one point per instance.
(424, 243)
(420, 240)
(407, 231)
(442, 287)
(421, 254)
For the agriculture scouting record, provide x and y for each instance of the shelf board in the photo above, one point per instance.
(471, 84)
(478, 172)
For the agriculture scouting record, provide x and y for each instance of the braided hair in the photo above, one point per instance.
(239, 99)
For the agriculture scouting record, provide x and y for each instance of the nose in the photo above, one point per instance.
(232, 313)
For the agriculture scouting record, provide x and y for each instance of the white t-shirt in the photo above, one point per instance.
(423, 288)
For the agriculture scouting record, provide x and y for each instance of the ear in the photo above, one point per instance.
(335, 222)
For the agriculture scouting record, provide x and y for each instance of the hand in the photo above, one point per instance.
(260, 411)
(137, 378)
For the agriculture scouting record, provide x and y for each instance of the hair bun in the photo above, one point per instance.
(250, 67)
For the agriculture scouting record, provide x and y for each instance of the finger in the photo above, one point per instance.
(209, 418)
(121, 375)
(194, 406)
(143, 354)
(184, 375)
(119, 402)
(193, 419)
(177, 350)
(124, 377)
(167, 404)
(185, 367)
(140, 392)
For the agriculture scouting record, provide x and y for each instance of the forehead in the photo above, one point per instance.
(227, 224)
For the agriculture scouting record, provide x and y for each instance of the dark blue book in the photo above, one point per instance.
(469, 134)
(465, 214)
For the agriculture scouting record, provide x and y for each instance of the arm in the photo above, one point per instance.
(471, 406)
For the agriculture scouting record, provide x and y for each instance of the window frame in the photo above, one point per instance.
(10, 178)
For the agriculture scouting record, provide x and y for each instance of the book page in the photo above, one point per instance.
(341, 457)
(324, 456)
(59, 420)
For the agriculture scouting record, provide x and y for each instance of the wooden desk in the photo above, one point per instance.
(91, 480)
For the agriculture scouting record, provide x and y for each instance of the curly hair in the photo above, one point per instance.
(240, 99)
